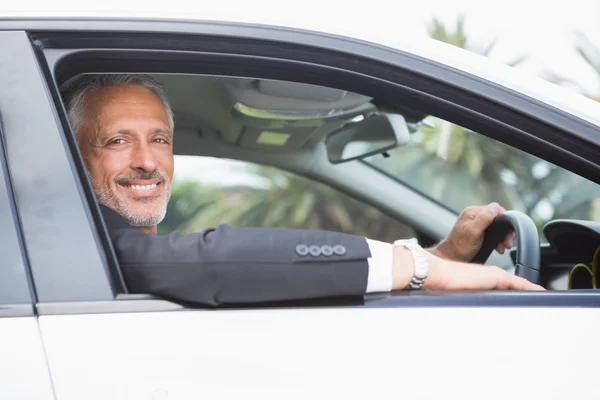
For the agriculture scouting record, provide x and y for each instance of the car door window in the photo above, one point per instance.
(208, 191)
(458, 167)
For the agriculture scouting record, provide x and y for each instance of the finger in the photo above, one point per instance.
(509, 241)
(485, 217)
(500, 248)
(511, 282)
(507, 244)
(518, 283)
(471, 212)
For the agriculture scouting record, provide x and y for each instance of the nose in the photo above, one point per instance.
(143, 158)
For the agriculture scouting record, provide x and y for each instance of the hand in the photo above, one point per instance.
(466, 236)
(453, 275)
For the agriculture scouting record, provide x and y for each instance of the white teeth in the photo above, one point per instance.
(142, 187)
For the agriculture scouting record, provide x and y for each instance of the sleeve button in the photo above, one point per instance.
(302, 250)
(339, 249)
(314, 250)
(326, 250)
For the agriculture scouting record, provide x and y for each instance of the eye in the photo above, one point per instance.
(161, 140)
(117, 141)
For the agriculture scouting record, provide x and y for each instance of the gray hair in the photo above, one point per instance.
(75, 90)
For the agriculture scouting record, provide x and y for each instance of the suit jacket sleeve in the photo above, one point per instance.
(239, 265)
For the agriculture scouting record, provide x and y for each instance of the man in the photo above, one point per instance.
(124, 126)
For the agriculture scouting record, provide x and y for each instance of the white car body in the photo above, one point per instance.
(432, 352)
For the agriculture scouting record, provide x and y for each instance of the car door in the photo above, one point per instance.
(102, 342)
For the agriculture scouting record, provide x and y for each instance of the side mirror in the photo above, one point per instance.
(372, 135)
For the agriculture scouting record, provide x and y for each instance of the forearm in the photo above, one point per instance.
(243, 265)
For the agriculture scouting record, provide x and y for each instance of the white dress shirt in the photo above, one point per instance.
(380, 267)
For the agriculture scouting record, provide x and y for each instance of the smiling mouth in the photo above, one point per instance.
(142, 190)
(142, 187)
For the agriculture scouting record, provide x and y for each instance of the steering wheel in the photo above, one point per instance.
(526, 238)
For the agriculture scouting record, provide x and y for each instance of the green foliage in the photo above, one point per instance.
(457, 36)
(462, 167)
(287, 201)
(581, 199)
(187, 199)
(590, 54)
(588, 51)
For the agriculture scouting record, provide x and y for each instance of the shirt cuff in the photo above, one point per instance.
(380, 267)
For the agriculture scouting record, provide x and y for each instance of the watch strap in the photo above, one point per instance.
(420, 262)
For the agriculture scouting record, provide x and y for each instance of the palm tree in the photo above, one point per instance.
(461, 167)
(457, 36)
(455, 151)
(287, 201)
(590, 54)
(451, 158)
(582, 198)
(187, 200)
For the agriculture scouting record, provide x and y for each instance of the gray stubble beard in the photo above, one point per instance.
(133, 217)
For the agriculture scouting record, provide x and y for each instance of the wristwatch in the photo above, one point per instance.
(420, 259)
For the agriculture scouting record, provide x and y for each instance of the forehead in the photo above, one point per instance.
(111, 104)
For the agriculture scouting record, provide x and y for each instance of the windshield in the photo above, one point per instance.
(458, 168)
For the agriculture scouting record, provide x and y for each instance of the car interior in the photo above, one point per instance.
(341, 139)
(230, 117)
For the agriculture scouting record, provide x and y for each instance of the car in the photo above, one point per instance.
(301, 122)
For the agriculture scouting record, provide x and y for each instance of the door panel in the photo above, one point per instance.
(23, 368)
(325, 353)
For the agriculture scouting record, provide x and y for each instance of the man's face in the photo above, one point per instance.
(125, 142)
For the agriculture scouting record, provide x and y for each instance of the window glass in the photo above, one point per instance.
(208, 191)
(458, 168)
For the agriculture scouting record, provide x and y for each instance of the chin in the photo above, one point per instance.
(140, 215)
(144, 220)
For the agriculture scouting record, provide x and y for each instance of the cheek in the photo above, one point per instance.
(167, 163)
(109, 165)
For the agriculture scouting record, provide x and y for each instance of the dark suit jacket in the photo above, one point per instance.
(239, 265)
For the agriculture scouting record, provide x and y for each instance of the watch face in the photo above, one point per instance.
(421, 267)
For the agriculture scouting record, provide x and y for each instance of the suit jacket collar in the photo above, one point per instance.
(113, 220)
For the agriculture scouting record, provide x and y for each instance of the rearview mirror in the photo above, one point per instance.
(366, 137)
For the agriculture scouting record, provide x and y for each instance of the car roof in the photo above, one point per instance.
(331, 18)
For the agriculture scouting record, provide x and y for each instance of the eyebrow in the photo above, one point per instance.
(163, 131)
(129, 132)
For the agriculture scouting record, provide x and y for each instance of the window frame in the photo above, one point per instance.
(19, 302)
(67, 257)
(14, 266)
(225, 50)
